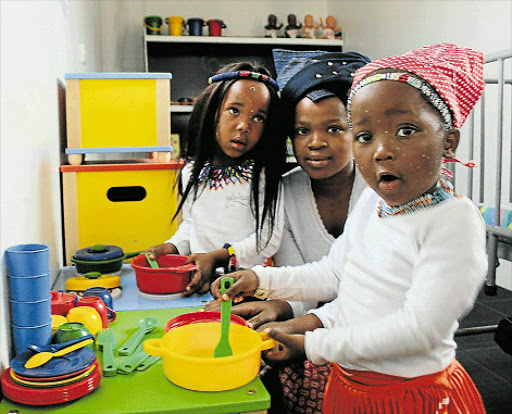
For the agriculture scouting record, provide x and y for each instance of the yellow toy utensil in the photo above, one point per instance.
(43, 357)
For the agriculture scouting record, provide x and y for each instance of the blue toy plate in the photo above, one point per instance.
(64, 365)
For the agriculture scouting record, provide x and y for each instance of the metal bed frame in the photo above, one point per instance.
(496, 247)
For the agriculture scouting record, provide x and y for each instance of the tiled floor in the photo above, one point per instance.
(488, 365)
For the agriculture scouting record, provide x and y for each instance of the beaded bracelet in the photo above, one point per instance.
(231, 267)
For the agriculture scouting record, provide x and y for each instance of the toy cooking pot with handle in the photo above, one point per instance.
(101, 258)
(171, 276)
(187, 353)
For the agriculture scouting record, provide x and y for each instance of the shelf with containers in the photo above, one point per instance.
(193, 59)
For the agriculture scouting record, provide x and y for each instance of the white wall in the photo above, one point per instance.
(39, 43)
(380, 28)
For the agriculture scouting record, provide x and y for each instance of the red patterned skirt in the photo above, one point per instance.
(359, 392)
(303, 385)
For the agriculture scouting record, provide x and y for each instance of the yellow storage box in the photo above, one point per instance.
(117, 112)
(127, 205)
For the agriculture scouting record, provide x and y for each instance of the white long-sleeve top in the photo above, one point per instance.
(221, 214)
(305, 238)
(402, 284)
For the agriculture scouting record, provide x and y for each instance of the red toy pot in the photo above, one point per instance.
(172, 275)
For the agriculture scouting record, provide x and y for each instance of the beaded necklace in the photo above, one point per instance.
(444, 191)
(213, 177)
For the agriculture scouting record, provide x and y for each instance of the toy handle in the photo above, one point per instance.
(153, 347)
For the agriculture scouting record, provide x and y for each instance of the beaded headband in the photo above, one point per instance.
(427, 91)
(244, 74)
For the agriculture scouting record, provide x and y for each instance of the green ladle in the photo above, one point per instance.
(146, 325)
(223, 348)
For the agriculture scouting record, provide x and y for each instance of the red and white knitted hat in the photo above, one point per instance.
(455, 72)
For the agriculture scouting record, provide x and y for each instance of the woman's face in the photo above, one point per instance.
(322, 140)
(241, 120)
(399, 140)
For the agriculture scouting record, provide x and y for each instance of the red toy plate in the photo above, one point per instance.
(46, 396)
(197, 317)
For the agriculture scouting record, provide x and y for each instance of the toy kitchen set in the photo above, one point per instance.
(112, 336)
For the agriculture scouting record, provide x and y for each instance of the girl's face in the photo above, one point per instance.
(399, 140)
(241, 120)
(322, 140)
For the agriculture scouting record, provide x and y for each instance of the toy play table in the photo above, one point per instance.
(150, 391)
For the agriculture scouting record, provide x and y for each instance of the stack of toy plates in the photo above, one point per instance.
(60, 380)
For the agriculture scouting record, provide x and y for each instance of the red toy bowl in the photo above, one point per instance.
(197, 317)
(172, 275)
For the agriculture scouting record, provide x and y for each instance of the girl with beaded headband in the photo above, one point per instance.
(236, 154)
(411, 259)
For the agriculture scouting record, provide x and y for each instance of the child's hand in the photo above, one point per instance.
(290, 346)
(200, 283)
(156, 251)
(246, 283)
(257, 312)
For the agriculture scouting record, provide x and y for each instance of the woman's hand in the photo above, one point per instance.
(290, 347)
(257, 312)
(206, 264)
(165, 248)
(246, 283)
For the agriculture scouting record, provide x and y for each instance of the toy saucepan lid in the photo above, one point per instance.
(93, 279)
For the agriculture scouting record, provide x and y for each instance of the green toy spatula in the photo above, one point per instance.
(223, 348)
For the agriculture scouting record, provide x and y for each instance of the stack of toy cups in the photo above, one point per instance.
(29, 283)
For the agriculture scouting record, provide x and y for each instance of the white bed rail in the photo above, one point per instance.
(493, 232)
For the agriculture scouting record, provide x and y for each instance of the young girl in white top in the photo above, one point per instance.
(412, 257)
(231, 185)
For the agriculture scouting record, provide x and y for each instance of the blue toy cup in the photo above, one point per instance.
(30, 335)
(29, 288)
(27, 314)
(28, 259)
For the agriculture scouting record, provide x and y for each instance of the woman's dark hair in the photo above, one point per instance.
(269, 154)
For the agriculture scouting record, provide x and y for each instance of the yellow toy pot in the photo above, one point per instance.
(187, 353)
